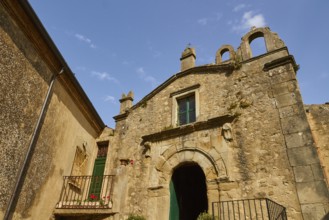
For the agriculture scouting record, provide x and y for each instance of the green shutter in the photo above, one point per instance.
(97, 178)
(174, 209)
(186, 110)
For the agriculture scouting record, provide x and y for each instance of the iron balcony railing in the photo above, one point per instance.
(86, 192)
(257, 209)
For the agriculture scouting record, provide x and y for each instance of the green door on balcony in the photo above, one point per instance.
(97, 178)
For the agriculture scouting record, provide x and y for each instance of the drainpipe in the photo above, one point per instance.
(22, 173)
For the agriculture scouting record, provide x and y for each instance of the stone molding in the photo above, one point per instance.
(187, 129)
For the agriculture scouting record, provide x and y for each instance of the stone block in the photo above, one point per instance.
(283, 77)
(315, 211)
(317, 171)
(170, 151)
(299, 139)
(300, 156)
(189, 144)
(303, 174)
(294, 124)
(228, 186)
(289, 111)
(312, 192)
(174, 160)
(189, 155)
(285, 100)
(166, 168)
(279, 89)
(159, 163)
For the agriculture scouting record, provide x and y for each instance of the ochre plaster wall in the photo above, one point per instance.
(318, 117)
(24, 81)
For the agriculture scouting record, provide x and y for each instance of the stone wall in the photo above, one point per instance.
(251, 137)
(24, 81)
(269, 152)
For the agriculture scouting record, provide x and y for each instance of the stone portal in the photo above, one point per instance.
(188, 192)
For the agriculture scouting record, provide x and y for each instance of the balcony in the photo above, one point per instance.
(86, 194)
(258, 209)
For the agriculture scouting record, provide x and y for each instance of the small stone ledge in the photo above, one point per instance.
(155, 187)
(84, 212)
(280, 62)
(187, 129)
(121, 116)
(184, 90)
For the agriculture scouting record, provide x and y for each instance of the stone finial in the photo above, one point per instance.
(126, 102)
(188, 58)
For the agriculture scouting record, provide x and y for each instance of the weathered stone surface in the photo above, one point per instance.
(303, 173)
(302, 156)
(286, 100)
(299, 139)
(250, 138)
(317, 171)
(315, 211)
(313, 192)
(294, 124)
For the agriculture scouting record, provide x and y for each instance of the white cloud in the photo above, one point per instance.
(110, 99)
(211, 19)
(147, 78)
(249, 19)
(85, 39)
(203, 21)
(239, 7)
(104, 76)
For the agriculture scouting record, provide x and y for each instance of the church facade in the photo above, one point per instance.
(232, 138)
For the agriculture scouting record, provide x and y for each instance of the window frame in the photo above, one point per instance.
(188, 103)
(184, 93)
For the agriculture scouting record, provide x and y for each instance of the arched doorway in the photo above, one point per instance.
(188, 192)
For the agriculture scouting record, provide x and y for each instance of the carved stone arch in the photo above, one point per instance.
(222, 50)
(272, 41)
(211, 162)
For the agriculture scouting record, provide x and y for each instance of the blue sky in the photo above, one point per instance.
(114, 46)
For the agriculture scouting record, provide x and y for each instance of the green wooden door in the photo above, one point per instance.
(174, 208)
(97, 178)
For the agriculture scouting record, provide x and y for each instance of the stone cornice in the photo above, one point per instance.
(187, 129)
(185, 90)
(121, 116)
(280, 62)
(24, 16)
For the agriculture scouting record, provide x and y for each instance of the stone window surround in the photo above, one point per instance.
(191, 90)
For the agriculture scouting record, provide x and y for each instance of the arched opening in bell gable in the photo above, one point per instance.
(188, 192)
(257, 44)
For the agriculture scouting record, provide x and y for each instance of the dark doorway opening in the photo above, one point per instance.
(188, 192)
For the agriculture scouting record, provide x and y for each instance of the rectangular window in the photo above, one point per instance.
(186, 110)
